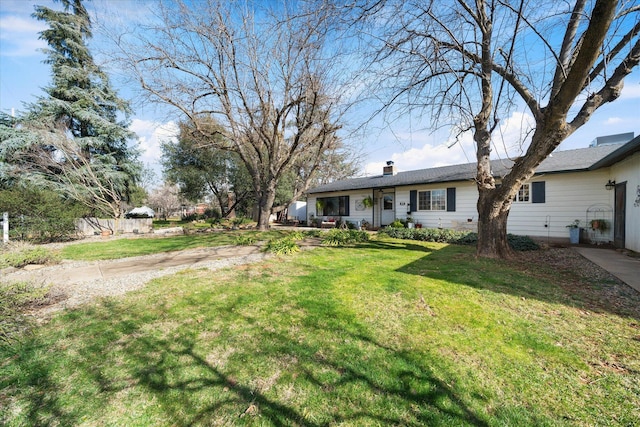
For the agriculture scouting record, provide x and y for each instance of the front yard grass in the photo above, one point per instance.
(384, 333)
(124, 248)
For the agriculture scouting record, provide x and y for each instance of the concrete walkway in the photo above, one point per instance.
(620, 265)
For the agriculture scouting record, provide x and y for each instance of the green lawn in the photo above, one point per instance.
(123, 248)
(386, 333)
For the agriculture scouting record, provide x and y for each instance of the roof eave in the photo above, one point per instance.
(621, 153)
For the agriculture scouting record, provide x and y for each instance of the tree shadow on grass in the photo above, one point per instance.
(534, 275)
(425, 399)
(281, 414)
(323, 367)
(338, 374)
(39, 389)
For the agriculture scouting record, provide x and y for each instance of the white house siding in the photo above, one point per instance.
(297, 211)
(466, 199)
(565, 201)
(628, 171)
(568, 196)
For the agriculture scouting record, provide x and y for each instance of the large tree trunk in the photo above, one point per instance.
(492, 226)
(265, 198)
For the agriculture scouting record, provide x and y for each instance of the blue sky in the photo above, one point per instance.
(22, 75)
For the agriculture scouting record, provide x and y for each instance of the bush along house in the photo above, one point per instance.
(596, 188)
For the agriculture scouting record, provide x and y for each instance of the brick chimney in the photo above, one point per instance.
(390, 169)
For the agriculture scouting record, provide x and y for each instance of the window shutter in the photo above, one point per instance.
(413, 200)
(538, 192)
(451, 199)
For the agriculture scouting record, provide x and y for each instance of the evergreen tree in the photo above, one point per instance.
(202, 170)
(82, 146)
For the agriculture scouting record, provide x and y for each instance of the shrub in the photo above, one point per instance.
(337, 237)
(211, 214)
(19, 256)
(444, 235)
(396, 224)
(190, 217)
(439, 235)
(245, 240)
(522, 243)
(296, 235)
(281, 246)
(40, 216)
(242, 220)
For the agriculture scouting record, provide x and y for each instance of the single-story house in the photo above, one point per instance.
(598, 185)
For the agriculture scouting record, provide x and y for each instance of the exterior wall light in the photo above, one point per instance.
(610, 185)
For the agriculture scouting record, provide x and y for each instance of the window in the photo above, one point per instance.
(333, 206)
(450, 203)
(523, 194)
(387, 202)
(432, 200)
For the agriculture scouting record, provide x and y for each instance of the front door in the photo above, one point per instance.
(387, 207)
(619, 215)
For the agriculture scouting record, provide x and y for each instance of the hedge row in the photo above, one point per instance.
(337, 237)
(444, 235)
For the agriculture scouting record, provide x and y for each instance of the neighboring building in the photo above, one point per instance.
(297, 211)
(141, 212)
(601, 182)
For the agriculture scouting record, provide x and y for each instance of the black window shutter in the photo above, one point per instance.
(451, 199)
(537, 192)
(413, 200)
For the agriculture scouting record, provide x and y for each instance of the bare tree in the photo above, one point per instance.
(473, 62)
(264, 74)
(165, 200)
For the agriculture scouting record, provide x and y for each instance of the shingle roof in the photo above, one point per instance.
(624, 151)
(559, 161)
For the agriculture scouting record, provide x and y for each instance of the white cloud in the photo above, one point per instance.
(19, 36)
(513, 136)
(427, 156)
(631, 90)
(150, 135)
(613, 121)
(14, 24)
(509, 140)
(19, 31)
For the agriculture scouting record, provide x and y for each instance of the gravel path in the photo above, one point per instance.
(64, 293)
(68, 295)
